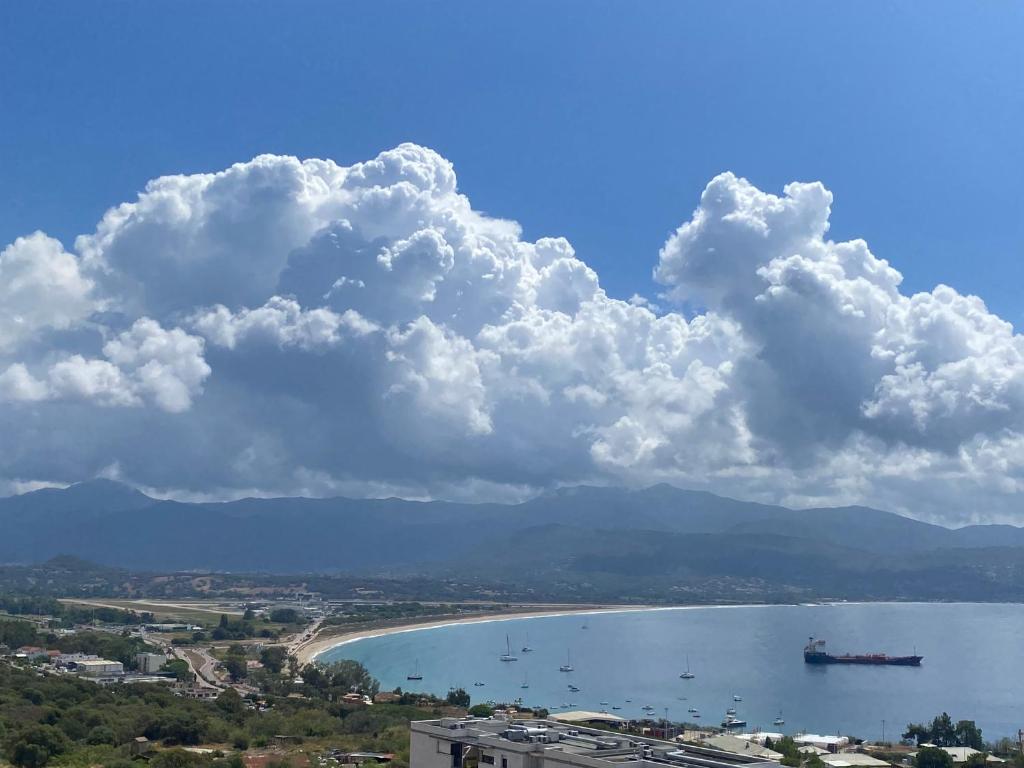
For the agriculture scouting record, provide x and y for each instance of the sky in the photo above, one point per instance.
(531, 244)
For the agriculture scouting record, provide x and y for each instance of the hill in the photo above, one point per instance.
(656, 543)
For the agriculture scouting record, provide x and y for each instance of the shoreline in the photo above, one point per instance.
(308, 652)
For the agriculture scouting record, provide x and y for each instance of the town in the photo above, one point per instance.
(228, 682)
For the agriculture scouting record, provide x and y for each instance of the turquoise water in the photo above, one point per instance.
(973, 664)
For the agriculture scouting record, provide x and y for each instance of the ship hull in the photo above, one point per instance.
(873, 660)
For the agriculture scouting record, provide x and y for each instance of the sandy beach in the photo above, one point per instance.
(307, 652)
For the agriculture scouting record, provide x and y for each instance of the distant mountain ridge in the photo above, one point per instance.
(588, 535)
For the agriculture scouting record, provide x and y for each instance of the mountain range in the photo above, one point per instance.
(657, 543)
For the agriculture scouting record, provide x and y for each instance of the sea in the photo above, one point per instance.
(973, 664)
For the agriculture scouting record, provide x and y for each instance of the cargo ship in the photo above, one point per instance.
(814, 653)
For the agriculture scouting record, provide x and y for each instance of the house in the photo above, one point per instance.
(738, 746)
(850, 759)
(99, 668)
(149, 663)
(31, 652)
(963, 754)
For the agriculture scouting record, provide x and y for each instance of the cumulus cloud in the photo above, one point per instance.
(290, 326)
(42, 287)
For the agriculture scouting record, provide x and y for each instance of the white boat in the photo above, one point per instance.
(507, 655)
(730, 711)
(603, 703)
(687, 675)
(737, 698)
(526, 648)
(691, 710)
(525, 684)
(731, 721)
(778, 720)
(478, 684)
(567, 667)
(574, 689)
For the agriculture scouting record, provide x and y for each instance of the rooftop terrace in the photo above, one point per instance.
(565, 743)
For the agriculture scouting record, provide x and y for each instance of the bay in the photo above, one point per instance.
(972, 668)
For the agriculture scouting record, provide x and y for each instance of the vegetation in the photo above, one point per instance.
(942, 732)
(933, 757)
(61, 720)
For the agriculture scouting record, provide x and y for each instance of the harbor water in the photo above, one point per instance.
(625, 661)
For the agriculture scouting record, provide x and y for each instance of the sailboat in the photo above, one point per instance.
(567, 667)
(687, 675)
(525, 684)
(507, 655)
(526, 648)
(415, 674)
(778, 720)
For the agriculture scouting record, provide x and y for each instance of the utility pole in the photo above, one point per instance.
(883, 731)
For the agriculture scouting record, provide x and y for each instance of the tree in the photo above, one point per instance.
(180, 669)
(223, 624)
(458, 697)
(230, 703)
(273, 658)
(933, 757)
(968, 734)
(236, 667)
(481, 710)
(943, 731)
(37, 744)
(101, 734)
(917, 733)
(285, 616)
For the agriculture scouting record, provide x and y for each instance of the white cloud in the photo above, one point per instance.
(41, 287)
(364, 327)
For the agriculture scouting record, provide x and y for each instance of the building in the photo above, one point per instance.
(963, 754)
(99, 668)
(827, 743)
(70, 660)
(851, 759)
(729, 743)
(149, 663)
(454, 742)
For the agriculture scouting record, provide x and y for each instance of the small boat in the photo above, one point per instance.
(603, 703)
(574, 689)
(691, 710)
(731, 721)
(525, 683)
(695, 714)
(730, 711)
(687, 675)
(737, 698)
(478, 684)
(584, 626)
(507, 655)
(779, 720)
(629, 701)
(526, 648)
(567, 667)
(616, 707)
(415, 674)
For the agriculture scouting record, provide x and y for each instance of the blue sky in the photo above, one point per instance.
(601, 122)
(360, 328)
